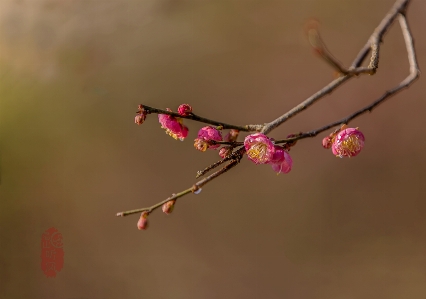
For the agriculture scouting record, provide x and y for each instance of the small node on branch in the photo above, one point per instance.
(195, 189)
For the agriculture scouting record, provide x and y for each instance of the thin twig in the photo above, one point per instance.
(237, 155)
(192, 116)
(195, 188)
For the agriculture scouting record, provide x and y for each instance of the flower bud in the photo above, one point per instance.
(209, 133)
(169, 206)
(139, 119)
(141, 115)
(232, 135)
(225, 152)
(185, 109)
(143, 221)
(327, 142)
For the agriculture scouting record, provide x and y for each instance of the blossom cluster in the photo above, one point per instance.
(260, 149)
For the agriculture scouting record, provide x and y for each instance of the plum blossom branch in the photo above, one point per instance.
(194, 117)
(260, 149)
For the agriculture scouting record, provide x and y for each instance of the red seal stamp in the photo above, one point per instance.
(52, 252)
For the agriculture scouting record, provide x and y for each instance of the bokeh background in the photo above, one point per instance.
(72, 73)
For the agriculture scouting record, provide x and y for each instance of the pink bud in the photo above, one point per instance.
(169, 206)
(185, 109)
(173, 126)
(143, 221)
(225, 152)
(327, 142)
(141, 115)
(348, 143)
(232, 135)
(259, 147)
(210, 133)
(281, 161)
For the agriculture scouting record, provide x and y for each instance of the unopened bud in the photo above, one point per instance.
(141, 115)
(169, 206)
(327, 142)
(232, 135)
(143, 221)
(185, 109)
(225, 152)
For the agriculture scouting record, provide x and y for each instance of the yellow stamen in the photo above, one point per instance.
(258, 152)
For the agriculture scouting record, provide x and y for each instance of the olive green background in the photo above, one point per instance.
(72, 73)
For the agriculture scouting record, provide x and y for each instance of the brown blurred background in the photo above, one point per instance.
(71, 76)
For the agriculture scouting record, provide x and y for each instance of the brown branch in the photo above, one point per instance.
(192, 116)
(194, 189)
(373, 43)
(373, 46)
(414, 75)
(237, 155)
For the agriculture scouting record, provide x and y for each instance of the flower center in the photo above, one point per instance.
(350, 146)
(258, 153)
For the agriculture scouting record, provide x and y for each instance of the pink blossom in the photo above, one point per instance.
(259, 147)
(185, 109)
(348, 143)
(173, 126)
(206, 134)
(281, 161)
(143, 221)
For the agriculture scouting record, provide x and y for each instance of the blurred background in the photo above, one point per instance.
(72, 73)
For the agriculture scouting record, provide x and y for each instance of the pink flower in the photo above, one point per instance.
(206, 134)
(173, 126)
(143, 221)
(348, 143)
(169, 206)
(259, 147)
(185, 109)
(281, 160)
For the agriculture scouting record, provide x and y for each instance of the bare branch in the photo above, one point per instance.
(373, 42)
(194, 189)
(414, 74)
